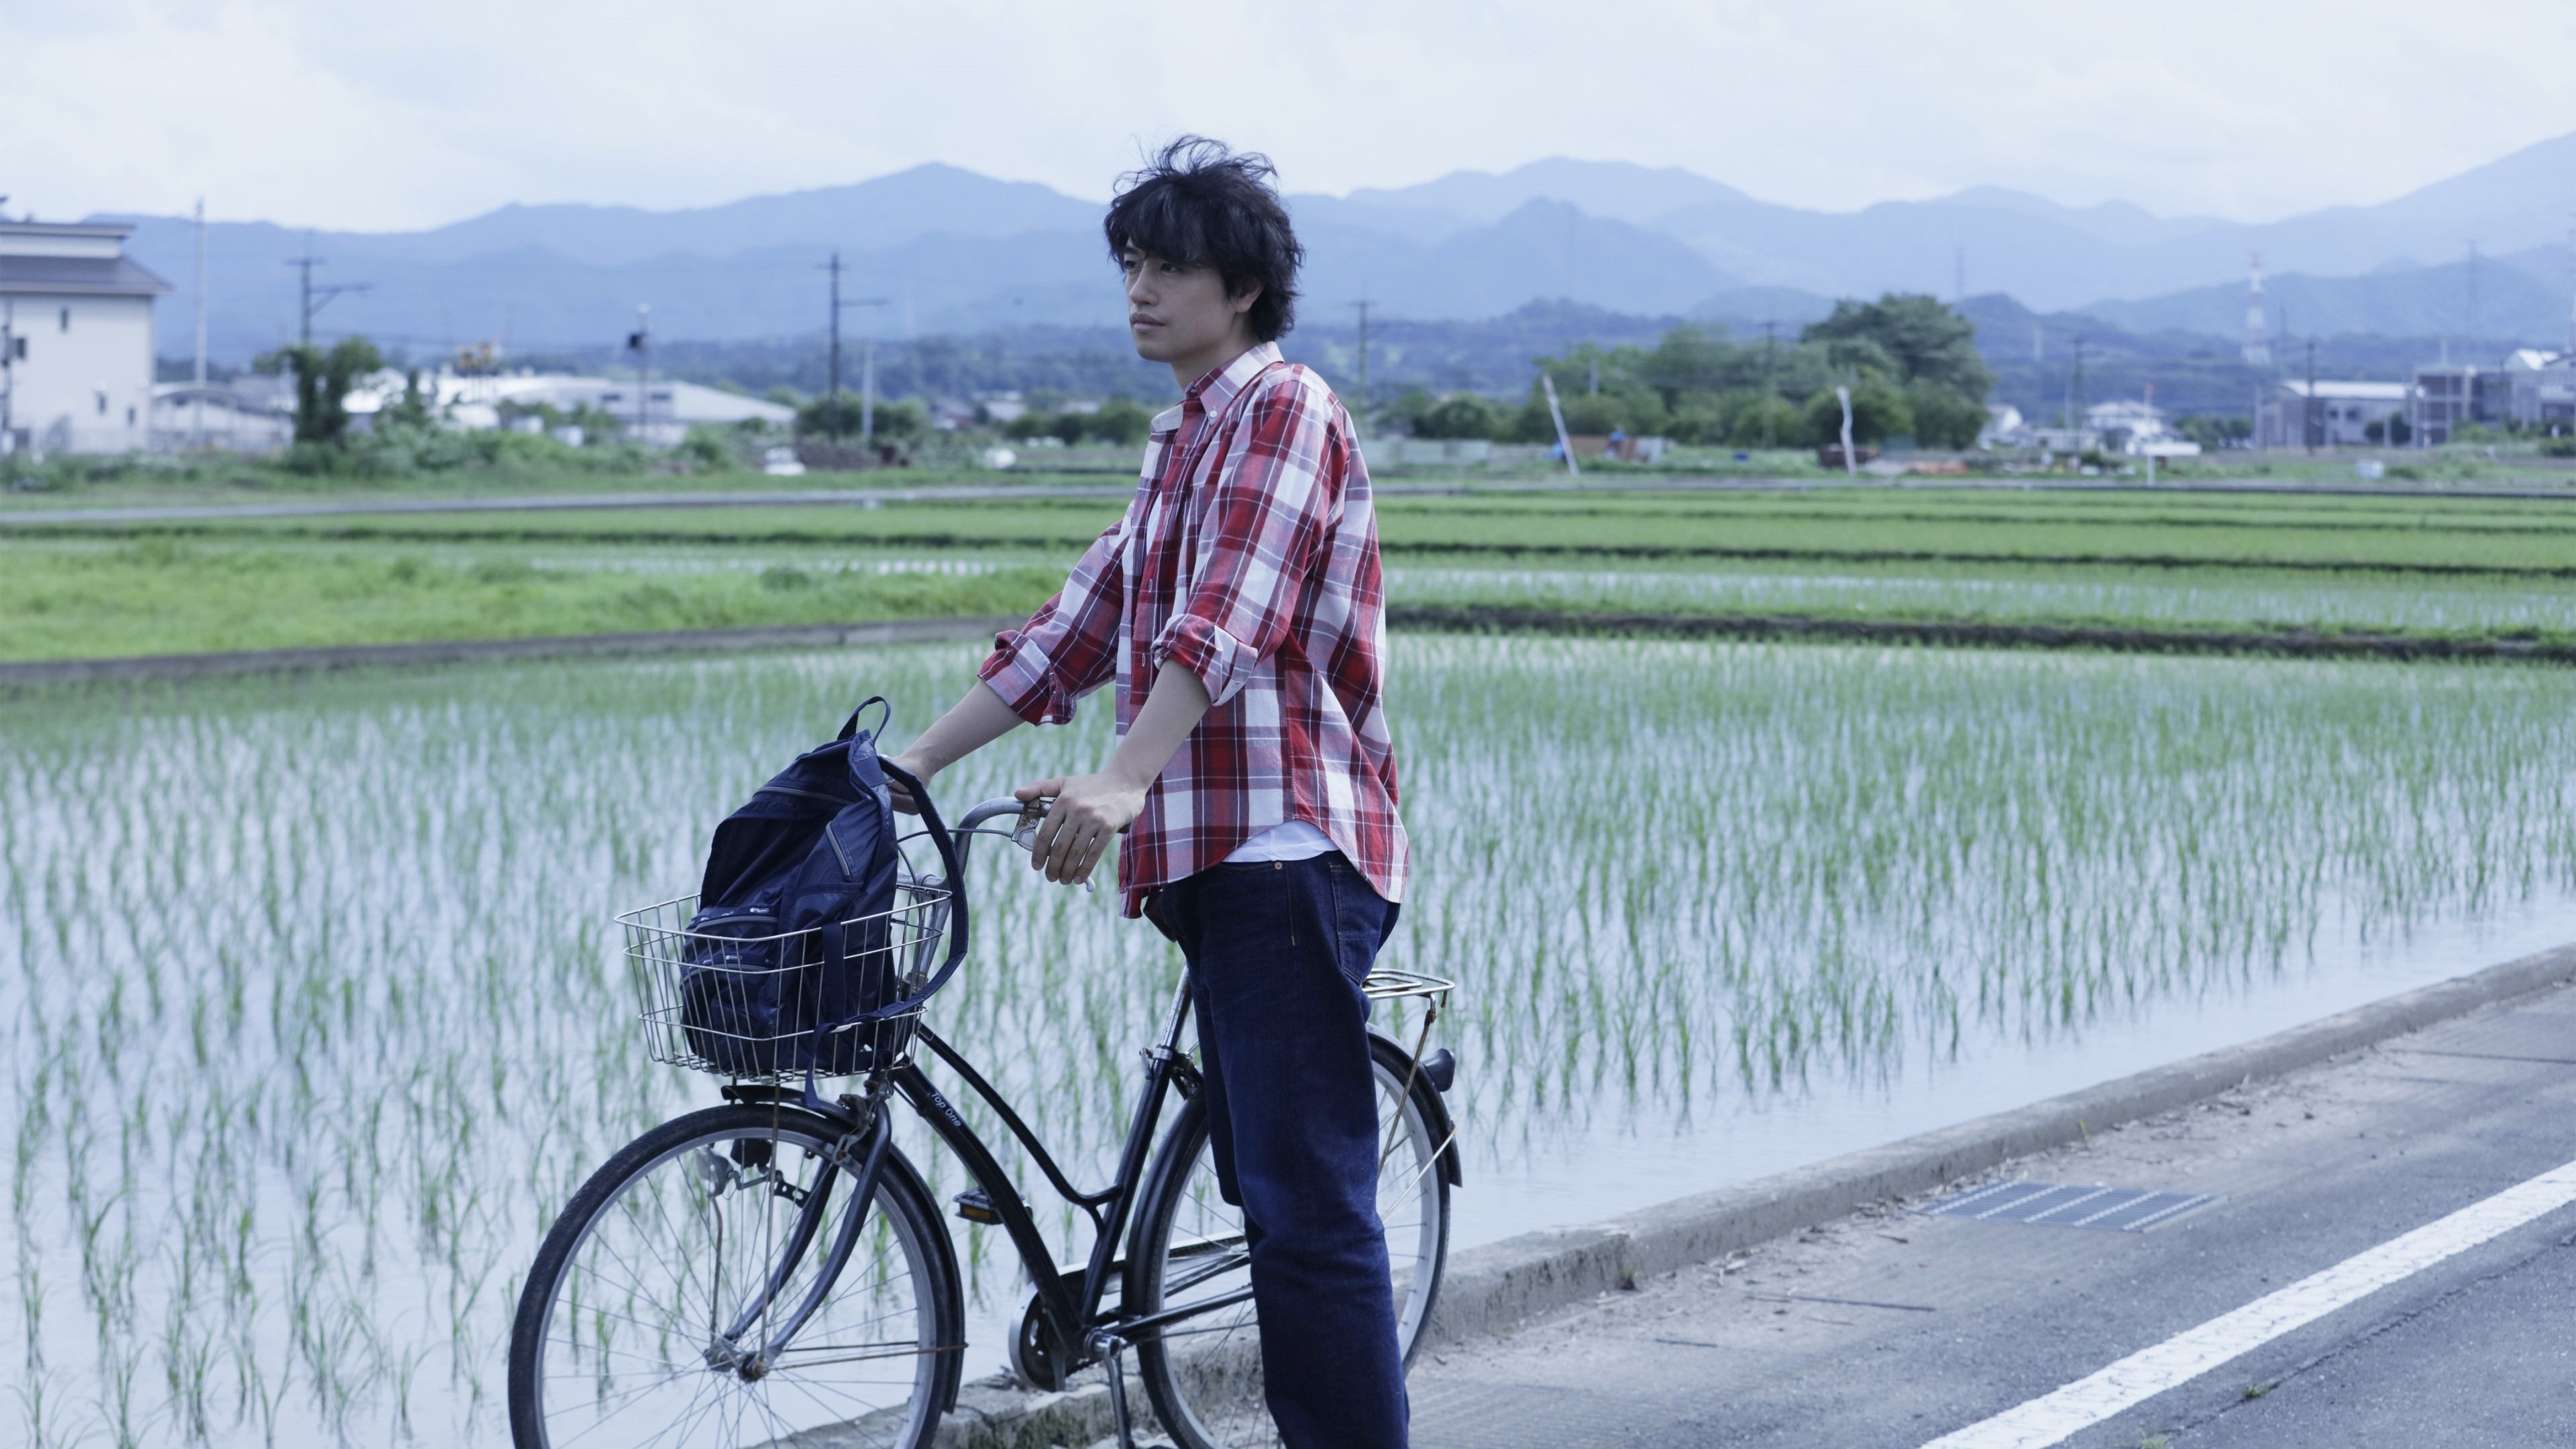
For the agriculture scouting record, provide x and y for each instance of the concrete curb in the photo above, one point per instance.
(1497, 1287)
(1494, 1287)
(43, 672)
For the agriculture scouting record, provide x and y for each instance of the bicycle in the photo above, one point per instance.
(775, 1270)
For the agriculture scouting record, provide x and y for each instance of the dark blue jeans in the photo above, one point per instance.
(1277, 951)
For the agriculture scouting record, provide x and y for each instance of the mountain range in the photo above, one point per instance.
(937, 249)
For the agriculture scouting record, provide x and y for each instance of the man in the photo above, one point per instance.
(1238, 609)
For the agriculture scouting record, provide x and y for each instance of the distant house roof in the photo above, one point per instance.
(2395, 392)
(80, 276)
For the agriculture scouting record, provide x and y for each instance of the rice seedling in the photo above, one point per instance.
(319, 1023)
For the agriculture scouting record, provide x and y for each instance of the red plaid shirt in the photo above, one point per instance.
(1250, 557)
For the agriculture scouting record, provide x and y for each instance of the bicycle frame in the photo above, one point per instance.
(1070, 1298)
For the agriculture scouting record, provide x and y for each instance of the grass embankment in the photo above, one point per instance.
(164, 596)
(2094, 569)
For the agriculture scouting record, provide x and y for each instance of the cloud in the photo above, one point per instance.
(384, 117)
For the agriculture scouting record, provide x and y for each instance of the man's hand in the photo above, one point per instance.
(918, 769)
(1089, 812)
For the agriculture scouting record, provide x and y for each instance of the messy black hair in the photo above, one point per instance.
(1199, 204)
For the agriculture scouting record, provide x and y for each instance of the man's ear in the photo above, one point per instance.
(1242, 301)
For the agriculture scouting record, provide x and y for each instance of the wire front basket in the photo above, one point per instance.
(766, 1007)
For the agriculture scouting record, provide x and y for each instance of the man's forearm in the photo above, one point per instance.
(1090, 810)
(1175, 707)
(969, 725)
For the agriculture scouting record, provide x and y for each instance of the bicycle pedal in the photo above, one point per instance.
(975, 1207)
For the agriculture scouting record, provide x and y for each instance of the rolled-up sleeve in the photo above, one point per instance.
(1069, 647)
(1274, 498)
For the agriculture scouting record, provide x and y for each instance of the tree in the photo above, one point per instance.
(1121, 420)
(322, 383)
(412, 410)
(1690, 360)
(1462, 415)
(1943, 418)
(1925, 339)
(829, 417)
(1595, 415)
(1765, 420)
(1879, 411)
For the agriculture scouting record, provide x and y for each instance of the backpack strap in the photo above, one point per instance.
(850, 728)
(953, 881)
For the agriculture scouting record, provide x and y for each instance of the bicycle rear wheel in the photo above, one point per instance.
(658, 1309)
(1203, 1373)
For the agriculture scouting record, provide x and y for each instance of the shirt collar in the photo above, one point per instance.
(1213, 391)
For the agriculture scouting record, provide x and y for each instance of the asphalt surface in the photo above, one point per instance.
(1893, 1328)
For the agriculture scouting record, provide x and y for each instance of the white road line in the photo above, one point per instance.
(2195, 1351)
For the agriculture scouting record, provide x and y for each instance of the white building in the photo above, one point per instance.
(2540, 390)
(660, 413)
(250, 414)
(2138, 429)
(2337, 415)
(76, 330)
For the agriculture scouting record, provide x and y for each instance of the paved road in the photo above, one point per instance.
(1121, 487)
(1895, 1329)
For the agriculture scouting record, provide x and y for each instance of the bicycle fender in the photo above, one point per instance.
(1427, 1099)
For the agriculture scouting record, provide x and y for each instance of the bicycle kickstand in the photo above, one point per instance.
(1113, 1349)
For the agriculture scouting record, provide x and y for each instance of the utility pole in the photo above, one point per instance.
(868, 368)
(1363, 305)
(1770, 393)
(2308, 411)
(314, 298)
(1556, 415)
(200, 424)
(1959, 276)
(834, 393)
(640, 342)
(2473, 299)
(2072, 418)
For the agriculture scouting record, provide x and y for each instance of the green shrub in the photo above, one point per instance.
(1943, 418)
(1121, 420)
(1462, 415)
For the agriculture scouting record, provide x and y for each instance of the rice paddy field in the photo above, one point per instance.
(314, 1013)
(2500, 569)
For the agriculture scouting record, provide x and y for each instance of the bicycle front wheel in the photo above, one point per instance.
(1203, 1372)
(676, 1300)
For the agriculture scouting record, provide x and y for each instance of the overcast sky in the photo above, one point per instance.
(329, 113)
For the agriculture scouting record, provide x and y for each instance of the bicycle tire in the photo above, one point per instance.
(898, 1291)
(1204, 1376)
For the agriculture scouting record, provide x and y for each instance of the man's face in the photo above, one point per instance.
(1179, 313)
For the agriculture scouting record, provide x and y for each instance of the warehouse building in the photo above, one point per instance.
(2333, 415)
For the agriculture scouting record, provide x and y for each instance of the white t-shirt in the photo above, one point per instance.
(1294, 840)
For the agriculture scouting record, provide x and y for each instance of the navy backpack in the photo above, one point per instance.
(793, 948)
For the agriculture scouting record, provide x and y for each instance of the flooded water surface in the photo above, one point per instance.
(315, 1015)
